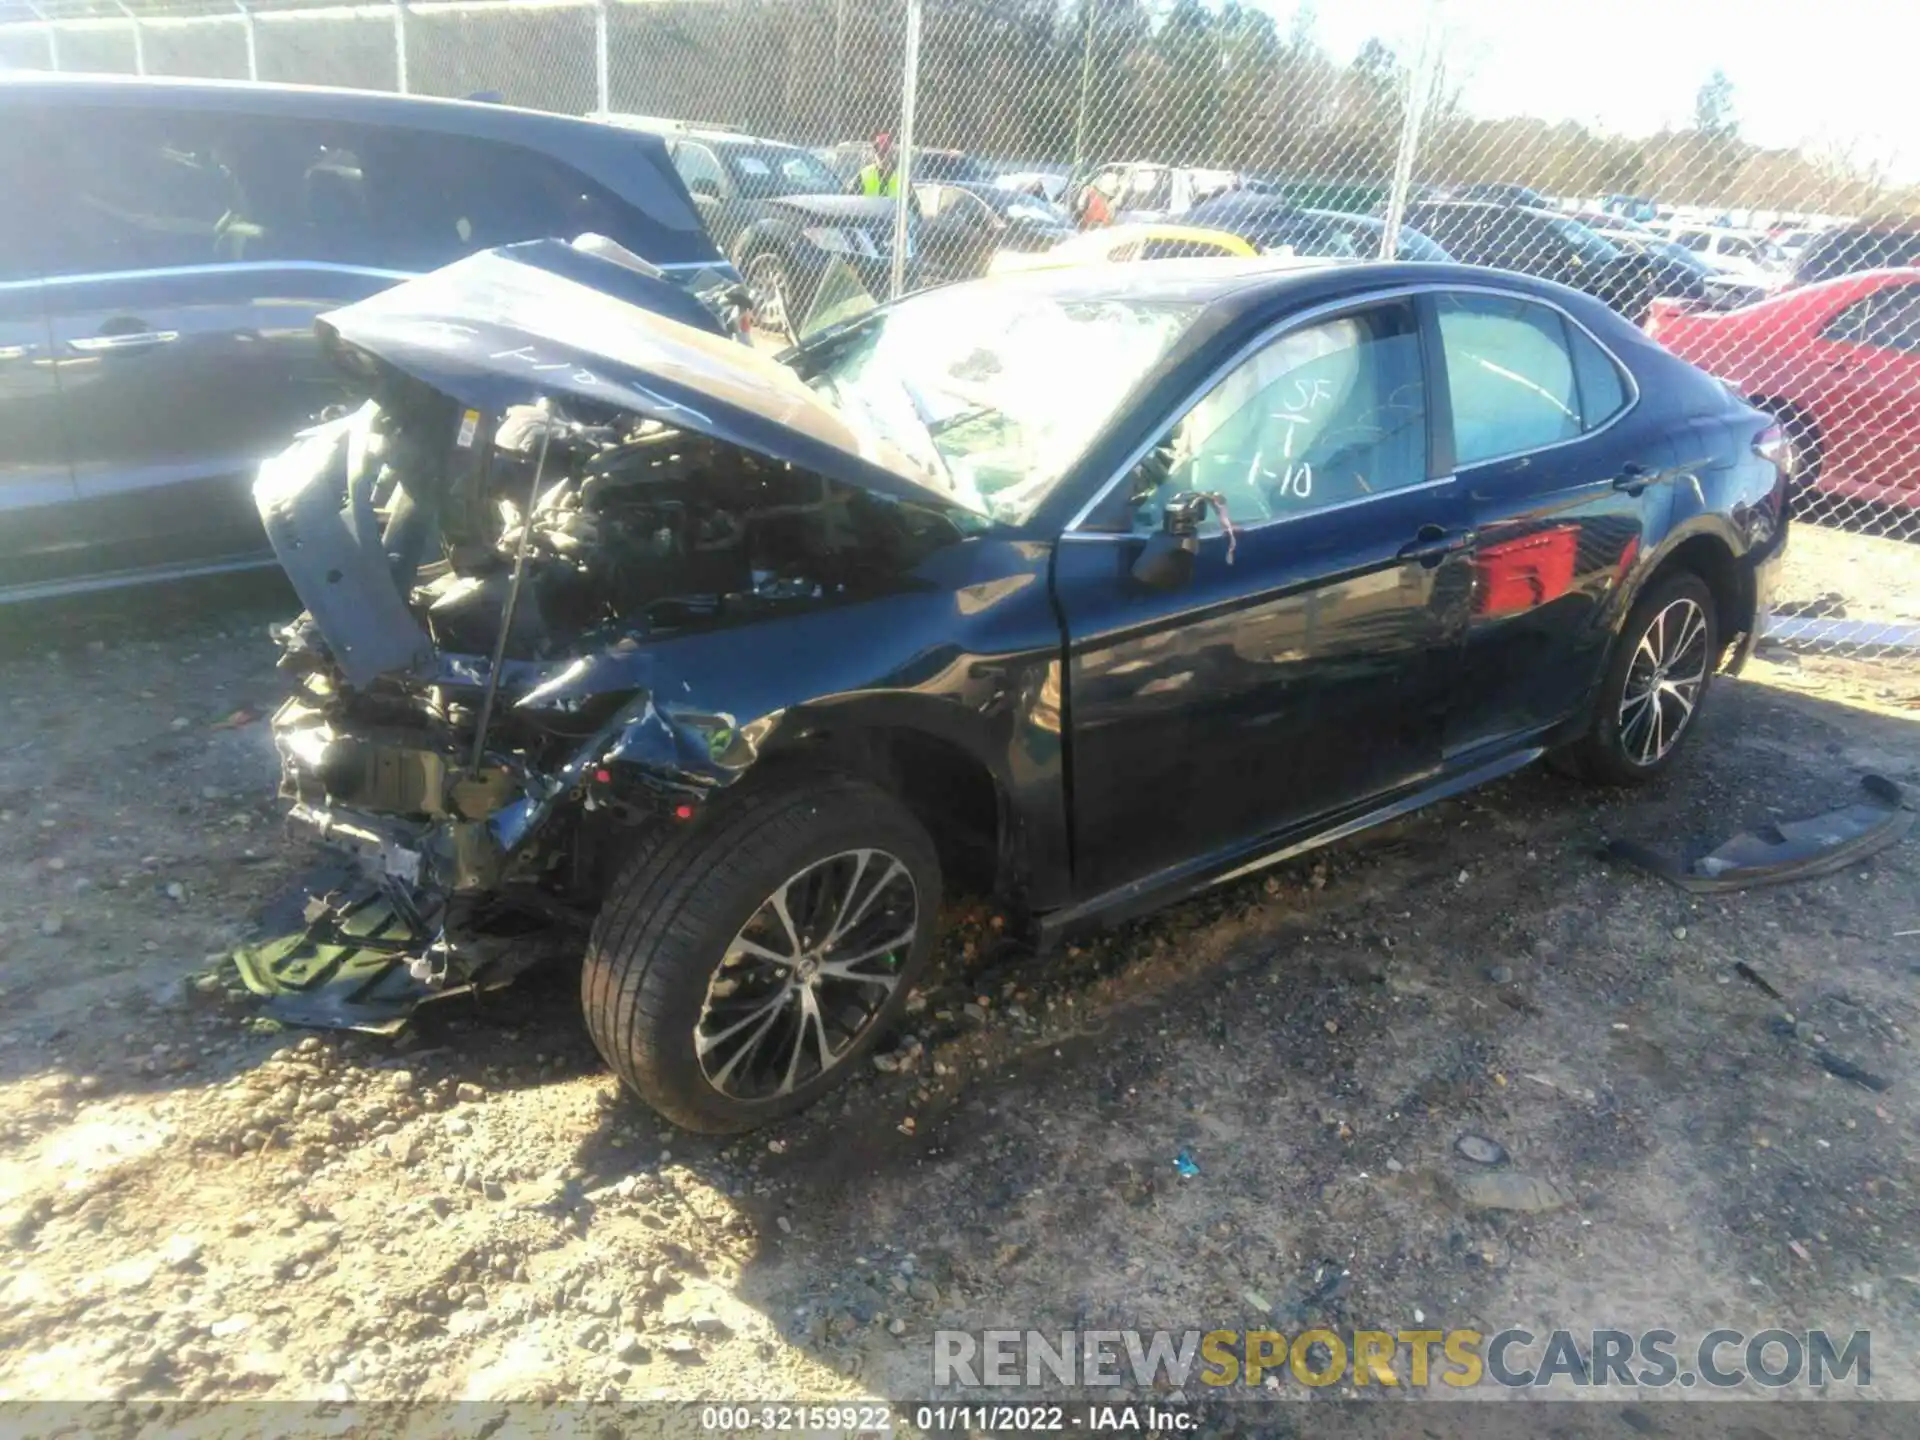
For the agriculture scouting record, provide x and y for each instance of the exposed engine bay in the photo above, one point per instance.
(476, 727)
(567, 472)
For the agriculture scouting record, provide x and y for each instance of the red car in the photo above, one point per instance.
(1838, 363)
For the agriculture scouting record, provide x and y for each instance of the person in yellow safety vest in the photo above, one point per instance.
(880, 178)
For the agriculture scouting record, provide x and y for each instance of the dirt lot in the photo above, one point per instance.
(194, 1208)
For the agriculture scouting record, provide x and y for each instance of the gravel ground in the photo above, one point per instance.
(195, 1208)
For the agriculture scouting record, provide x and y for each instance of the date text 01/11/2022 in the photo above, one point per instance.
(1089, 1419)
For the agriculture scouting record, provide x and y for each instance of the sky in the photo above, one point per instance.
(1815, 73)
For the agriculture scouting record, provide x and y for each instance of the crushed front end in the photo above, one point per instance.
(490, 552)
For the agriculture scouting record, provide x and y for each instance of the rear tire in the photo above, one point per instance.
(1654, 686)
(695, 972)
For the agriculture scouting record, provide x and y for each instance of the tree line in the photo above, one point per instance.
(1179, 81)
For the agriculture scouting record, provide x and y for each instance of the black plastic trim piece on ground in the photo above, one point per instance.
(1791, 850)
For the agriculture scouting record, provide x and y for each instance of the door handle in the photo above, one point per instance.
(1633, 478)
(123, 341)
(1434, 543)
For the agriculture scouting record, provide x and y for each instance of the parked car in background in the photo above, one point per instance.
(1275, 227)
(1146, 191)
(1538, 242)
(1838, 364)
(1637, 208)
(1674, 271)
(964, 226)
(165, 248)
(1792, 241)
(1846, 249)
(1679, 274)
(1496, 193)
(1053, 184)
(849, 157)
(1121, 244)
(778, 212)
(1740, 253)
(1082, 590)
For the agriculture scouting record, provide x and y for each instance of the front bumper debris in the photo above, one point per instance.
(1790, 850)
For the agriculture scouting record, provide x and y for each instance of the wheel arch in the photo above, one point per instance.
(940, 771)
(1710, 555)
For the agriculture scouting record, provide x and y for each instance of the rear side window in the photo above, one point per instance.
(151, 189)
(427, 199)
(1888, 319)
(1602, 390)
(1511, 374)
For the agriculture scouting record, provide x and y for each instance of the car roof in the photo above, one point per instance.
(667, 128)
(241, 96)
(1201, 281)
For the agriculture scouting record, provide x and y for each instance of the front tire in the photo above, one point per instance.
(743, 964)
(1655, 683)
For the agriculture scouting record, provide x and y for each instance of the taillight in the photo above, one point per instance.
(1771, 445)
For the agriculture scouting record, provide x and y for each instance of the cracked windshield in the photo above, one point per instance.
(998, 394)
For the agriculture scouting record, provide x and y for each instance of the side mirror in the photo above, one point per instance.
(1166, 561)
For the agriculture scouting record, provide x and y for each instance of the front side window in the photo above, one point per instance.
(1510, 374)
(998, 391)
(1324, 415)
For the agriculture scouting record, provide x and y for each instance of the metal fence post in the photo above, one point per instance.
(839, 70)
(903, 174)
(139, 38)
(603, 87)
(1419, 81)
(1086, 78)
(53, 36)
(400, 45)
(253, 39)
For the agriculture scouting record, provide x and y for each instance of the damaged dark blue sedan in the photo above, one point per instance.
(1082, 589)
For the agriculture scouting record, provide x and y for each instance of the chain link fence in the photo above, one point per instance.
(1038, 132)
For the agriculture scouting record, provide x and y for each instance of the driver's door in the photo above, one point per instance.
(1304, 666)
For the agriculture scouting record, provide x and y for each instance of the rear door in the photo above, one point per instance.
(1563, 482)
(1304, 667)
(36, 488)
(181, 291)
(194, 251)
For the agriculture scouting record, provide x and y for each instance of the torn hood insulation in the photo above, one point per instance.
(505, 327)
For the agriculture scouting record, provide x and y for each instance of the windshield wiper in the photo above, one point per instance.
(930, 425)
(940, 427)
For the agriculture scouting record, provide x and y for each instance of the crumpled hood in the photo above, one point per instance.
(505, 327)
